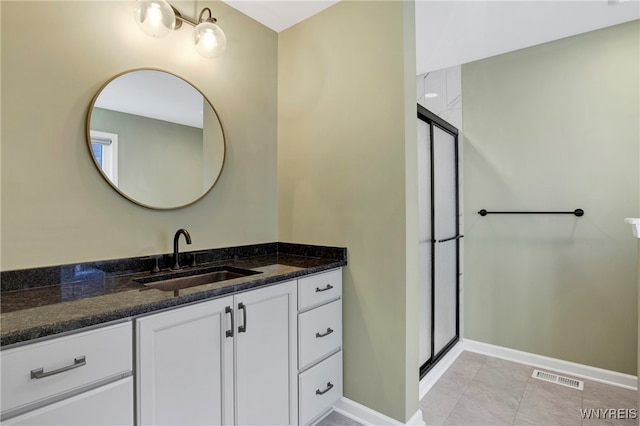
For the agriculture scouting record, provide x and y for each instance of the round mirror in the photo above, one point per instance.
(155, 138)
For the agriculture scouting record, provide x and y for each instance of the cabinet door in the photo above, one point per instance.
(266, 344)
(108, 405)
(185, 366)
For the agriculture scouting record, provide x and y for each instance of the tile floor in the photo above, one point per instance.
(481, 390)
(335, 419)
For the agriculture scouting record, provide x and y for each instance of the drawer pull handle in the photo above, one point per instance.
(329, 331)
(39, 373)
(328, 287)
(329, 387)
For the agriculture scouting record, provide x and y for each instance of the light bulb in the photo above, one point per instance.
(209, 39)
(154, 17)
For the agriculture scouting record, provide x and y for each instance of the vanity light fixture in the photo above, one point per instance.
(157, 18)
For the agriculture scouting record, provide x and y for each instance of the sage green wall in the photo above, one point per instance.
(347, 176)
(154, 154)
(554, 127)
(55, 57)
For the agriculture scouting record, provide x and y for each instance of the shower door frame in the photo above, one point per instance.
(432, 120)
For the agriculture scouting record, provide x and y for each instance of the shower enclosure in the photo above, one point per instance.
(439, 238)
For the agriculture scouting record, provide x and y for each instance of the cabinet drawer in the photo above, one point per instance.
(107, 353)
(319, 333)
(320, 387)
(107, 405)
(318, 289)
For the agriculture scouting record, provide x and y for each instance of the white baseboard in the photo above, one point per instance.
(609, 377)
(439, 369)
(416, 420)
(368, 417)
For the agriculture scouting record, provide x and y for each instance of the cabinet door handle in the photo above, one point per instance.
(328, 287)
(329, 331)
(228, 310)
(243, 327)
(329, 387)
(39, 373)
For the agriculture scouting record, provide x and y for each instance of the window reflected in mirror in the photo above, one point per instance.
(104, 147)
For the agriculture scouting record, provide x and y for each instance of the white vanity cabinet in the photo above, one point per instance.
(185, 365)
(78, 379)
(320, 344)
(226, 361)
(265, 355)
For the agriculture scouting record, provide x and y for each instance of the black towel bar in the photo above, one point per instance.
(457, 237)
(576, 212)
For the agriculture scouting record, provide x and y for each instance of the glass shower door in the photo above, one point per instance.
(439, 237)
(445, 241)
(425, 238)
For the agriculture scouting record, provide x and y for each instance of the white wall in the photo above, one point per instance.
(447, 85)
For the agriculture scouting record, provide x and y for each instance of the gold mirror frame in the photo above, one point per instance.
(213, 142)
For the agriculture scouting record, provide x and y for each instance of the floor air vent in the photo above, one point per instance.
(560, 380)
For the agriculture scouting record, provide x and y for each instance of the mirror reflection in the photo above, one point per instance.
(156, 139)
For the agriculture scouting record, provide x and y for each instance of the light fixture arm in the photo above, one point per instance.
(209, 19)
(180, 19)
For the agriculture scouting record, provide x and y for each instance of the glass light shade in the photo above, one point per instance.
(209, 39)
(154, 17)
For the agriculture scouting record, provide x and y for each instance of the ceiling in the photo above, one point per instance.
(454, 32)
(451, 33)
(154, 94)
(280, 14)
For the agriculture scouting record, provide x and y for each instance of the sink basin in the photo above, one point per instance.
(187, 279)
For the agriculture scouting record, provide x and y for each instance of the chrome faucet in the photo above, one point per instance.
(176, 253)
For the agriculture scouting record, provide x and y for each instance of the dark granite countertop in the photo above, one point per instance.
(43, 302)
